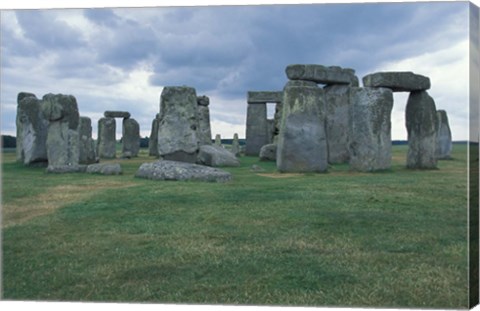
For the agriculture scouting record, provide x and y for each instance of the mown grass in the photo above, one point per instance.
(391, 239)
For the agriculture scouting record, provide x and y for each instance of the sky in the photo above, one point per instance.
(121, 58)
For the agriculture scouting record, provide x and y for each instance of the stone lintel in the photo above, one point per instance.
(262, 97)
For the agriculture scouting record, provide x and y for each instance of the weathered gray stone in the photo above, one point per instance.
(262, 97)
(370, 142)
(131, 138)
(270, 130)
(153, 141)
(216, 156)
(302, 145)
(421, 121)
(397, 81)
(177, 130)
(31, 130)
(277, 118)
(235, 145)
(257, 169)
(87, 146)
(336, 122)
(174, 170)
(322, 74)
(203, 113)
(268, 152)
(62, 135)
(106, 144)
(444, 137)
(105, 169)
(257, 128)
(218, 140)
(65, 169)
(116, 114)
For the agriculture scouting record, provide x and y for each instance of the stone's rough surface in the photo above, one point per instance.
(370, 129)
(257, 128)
(116, 114)
(87, 146)
(336, 122)
(153, 141)
(444, 136)
(421, 119)
(105, 169)
(270, 130)
(203, 113)
(62, 138)
(264, 97)
(216, 156)
(31, 130)
(302, 145)
(173, 170)
(63, 169)
(235, 145)
(106, 138)
(397, 81)
(277, 118)
(131, 138)
(177, 129)
(322, 74)
(218, 140)
(268, 152)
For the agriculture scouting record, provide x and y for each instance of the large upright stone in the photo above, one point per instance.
(116, 114)
(257, 128)
(153, 140)
(302, 145)
(235, 145)
(131, 138)
(397, 81)
(421, 121)
(177, 130)
(322, 74)
(216, 156)
(204, 131)
(106, 144)
(444, 136)
(370, 142)
(87, 146)
(31, 130)
(62, 138)
(336, 122)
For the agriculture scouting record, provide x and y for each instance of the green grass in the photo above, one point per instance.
(389, 239)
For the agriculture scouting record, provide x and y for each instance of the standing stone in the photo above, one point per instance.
(62, 137)
(257, 128)
(87, 146)
(336, 122)
(204, 132)
(421, 121)
(218, 140)
(31, 130)
(302, 145)
(370, 129)
(131, 138)
(235, 145)
(177, 130)
(106, 145)
(153, 141)
(444, 136)
(270, 130)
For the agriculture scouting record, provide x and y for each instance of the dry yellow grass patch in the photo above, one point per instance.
(25, 209)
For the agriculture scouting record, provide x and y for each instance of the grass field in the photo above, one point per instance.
(390, 239)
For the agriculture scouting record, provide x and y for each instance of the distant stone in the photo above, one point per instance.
(177, 129)
(444, 136)
(397, 81)
(268, 152)
(116, 114)
(203, 100)
(213, 155)
(235, 145)
(203, 113)
(131, 138)
(87, 145)
(106, 143)
(302, 145)
(322, 74)
(370, 142)
(421, 120)
(105, 169)
(173, 170)
(153, 141)
(218, 140)
(31, 130)
(264, 97)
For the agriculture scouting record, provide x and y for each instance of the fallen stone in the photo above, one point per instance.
(174, 170)
(131, 138)
(87, 145)
(106, 144)
(370, 142)
(105, 169)
(264, 97)
(268, 152)
(116, 114)
(397, 81)
(444, 137)
(322, 74)
(213, 155)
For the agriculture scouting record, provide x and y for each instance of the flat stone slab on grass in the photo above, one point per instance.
(65, 169)
(322, 74)
(116, 114)
(397, 81)
(105, 169)
(216, 156)
(174, 170)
